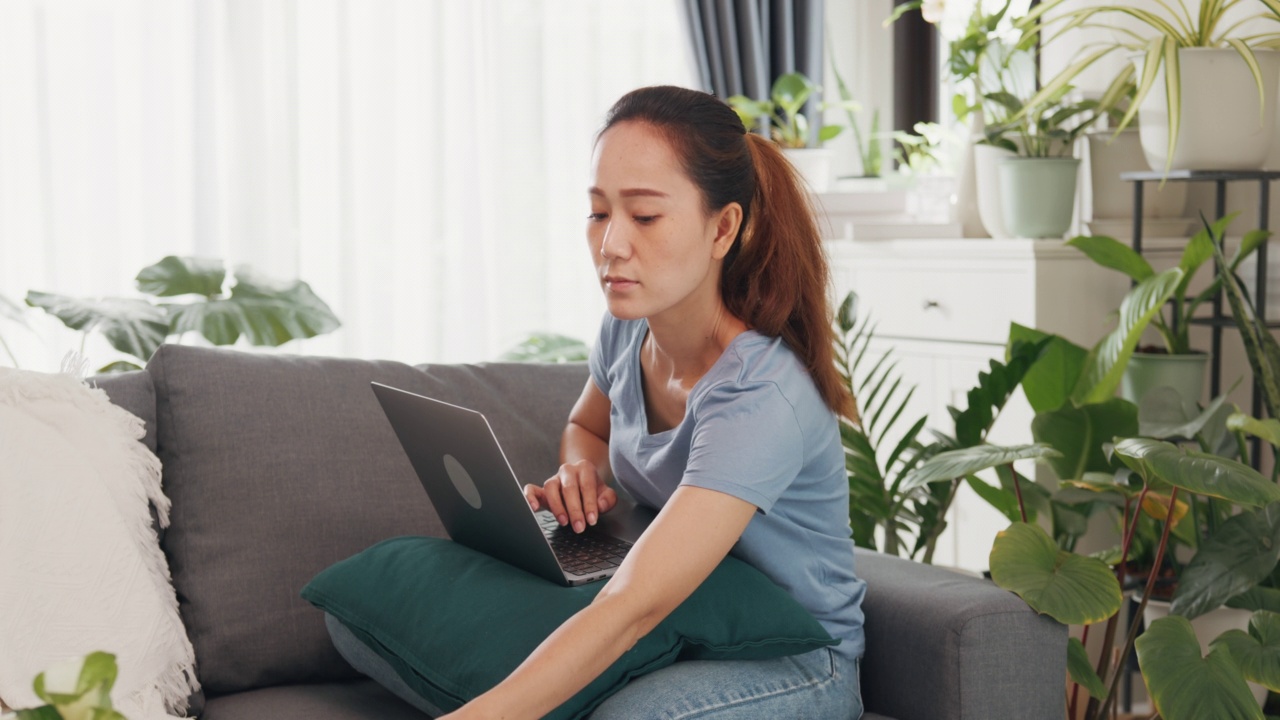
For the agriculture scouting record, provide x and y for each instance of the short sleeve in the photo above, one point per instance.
(746, 443)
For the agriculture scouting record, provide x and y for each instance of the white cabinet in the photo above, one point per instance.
(945, 306)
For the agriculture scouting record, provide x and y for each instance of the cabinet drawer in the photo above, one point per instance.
(940, 303)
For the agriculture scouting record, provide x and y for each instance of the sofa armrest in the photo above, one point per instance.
(941, 644)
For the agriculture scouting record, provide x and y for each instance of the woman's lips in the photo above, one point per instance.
(619, 283)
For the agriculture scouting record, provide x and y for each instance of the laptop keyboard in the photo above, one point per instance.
(582, 553)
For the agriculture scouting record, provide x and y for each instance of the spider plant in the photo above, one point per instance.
(1174, 28)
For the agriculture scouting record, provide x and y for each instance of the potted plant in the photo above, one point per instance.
(788, 126)
(1038, 179)
(1176, 364)
(1232, 79)
(262, 310)
(870, 159)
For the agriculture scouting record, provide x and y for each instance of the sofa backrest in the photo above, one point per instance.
(278, 466)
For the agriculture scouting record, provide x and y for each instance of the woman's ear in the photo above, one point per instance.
(727, 221)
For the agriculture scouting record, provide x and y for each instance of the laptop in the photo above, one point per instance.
(482, 504)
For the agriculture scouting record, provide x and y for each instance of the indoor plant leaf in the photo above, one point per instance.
(183, 276)
(1106, 361)
(1162, 414)
(1081, 669)
(1197, 472)
(11, 310)
(1185, 685)
(1260, 345)
(135, 327)
(1078, 434)
(1111, 253)
(1256, 652)
(1072, 589)
(966, 461)
(1257, 598)
(1268, 428)
(1239, 554)
(547, 347)
(995, 386)
(265, 311)
(1049, 381)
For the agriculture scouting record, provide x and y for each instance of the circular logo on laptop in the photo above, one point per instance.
(462, 482)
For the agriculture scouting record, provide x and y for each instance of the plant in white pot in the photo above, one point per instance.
(1206, 92)
(789, 127)
(1176, 364)
(1038, 179)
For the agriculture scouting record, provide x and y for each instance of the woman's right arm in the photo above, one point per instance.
(579, 491)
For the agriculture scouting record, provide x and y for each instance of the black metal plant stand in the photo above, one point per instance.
(1218, 320)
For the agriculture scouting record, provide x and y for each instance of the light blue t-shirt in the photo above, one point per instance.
(756, 428)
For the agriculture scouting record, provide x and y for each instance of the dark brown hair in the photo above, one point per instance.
(775, 275)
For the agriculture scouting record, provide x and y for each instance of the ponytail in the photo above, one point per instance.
(775, 276)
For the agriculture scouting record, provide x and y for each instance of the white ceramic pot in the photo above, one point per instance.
(1112, 198)
(814, 165)
(1221, 127)
(1038, 195)
(986, 164)
(967, 210)
(1148, 371)
(1208, 627)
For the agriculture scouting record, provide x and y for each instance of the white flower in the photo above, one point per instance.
(933, 11)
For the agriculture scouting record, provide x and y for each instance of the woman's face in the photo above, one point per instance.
(657, 252)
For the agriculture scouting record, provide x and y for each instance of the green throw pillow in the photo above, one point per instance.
(454, 622)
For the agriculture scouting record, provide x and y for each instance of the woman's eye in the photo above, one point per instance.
(597, 217)
(645, 219)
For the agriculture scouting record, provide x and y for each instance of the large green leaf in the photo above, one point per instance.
(1197, 472)
(1111, 253)
(1186, 685)
(1072, 589)
(135, 327)
(266, 312)
(1257, 598)
(1268, 428)
(1049, 381)
(1078, 434)
(1081, 670)
(1256, 652)
(995, 386)
(1163, 413)
(183, 276)
(547, 348)
(1107, 360)
(966, 461)
(1241, 552)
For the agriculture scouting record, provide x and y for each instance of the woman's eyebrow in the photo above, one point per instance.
(631, 192)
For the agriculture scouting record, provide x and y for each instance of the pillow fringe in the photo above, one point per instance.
(133, 492)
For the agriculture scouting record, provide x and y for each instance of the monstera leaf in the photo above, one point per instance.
(135, 327)
(183, 276)
(264, 311)
(1185, 685)
(1072, 589)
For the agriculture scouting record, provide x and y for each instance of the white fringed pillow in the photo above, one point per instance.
(80, 564)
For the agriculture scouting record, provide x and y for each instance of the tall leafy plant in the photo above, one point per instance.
(261, 310)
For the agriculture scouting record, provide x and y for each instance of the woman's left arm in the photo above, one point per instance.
(687, 540)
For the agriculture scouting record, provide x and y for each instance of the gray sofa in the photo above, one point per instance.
(278, 466)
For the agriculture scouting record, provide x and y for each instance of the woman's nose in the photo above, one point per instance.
(614, 244)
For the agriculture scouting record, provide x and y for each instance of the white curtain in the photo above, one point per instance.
(422, 164)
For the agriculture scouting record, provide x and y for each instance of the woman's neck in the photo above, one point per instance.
(685, 348)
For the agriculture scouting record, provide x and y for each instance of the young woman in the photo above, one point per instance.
(713, 397)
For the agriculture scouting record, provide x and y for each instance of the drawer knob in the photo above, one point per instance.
(931, 304)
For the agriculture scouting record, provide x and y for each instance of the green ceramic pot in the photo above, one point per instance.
(1148, 371)
(1038, 195)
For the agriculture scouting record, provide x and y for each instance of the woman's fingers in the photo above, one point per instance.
(534, 496)
(576, 496)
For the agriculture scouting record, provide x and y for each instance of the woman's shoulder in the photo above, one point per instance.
(759, 364)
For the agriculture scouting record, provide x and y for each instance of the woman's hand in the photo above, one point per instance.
(576, 495)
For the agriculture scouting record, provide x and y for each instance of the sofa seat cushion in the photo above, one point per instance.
(279, 466)
(453, 622)
(360, 700)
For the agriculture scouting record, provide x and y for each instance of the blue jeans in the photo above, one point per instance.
(820, 684)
